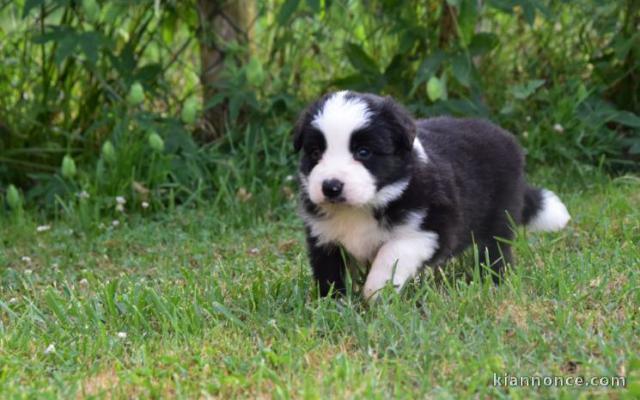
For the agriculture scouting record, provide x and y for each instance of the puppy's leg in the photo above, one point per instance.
(399, 260)
(328, 266)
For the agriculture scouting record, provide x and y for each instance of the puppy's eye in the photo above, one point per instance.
(362, 153)
(315, 154)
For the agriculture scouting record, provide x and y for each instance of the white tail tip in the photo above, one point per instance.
(552, 216)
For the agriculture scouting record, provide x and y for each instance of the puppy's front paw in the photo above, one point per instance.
(371, 293)
(373, 286)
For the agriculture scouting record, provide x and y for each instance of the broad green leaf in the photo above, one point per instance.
(466, 107)
(91, 9)
(461, 66)
(109, 152)
(155, 142)
(215, 100)
(361, 60)
(30, 5)
(507, 109)
(435, 88)
(66, 47)
(525, 90)
(55, 34)
(235, 103)
(627, 118)
(635, 147)
(360, 33)
(408, 40)
(255, 72)
(622, 46)
(125, 62)
(169, 27)
(468, 11)
(396, 68)
(14, 200)
(190, 110)
(68, 167)
(149, 73)
(136, 94)
(114, 9)
(482, 43)
(90, 43)
(287, 9)
(427, 68)
(314, 5)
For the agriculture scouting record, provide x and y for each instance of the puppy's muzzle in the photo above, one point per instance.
(332, 190)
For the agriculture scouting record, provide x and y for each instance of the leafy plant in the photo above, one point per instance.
(118, 87)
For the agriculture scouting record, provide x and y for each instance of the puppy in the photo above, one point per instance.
(399, 193)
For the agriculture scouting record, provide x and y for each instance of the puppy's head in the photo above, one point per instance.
(356, 149)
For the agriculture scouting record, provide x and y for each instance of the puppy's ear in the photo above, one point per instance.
(297, 137)
(402, 122)
(298, 130)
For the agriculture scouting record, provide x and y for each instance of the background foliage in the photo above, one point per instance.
(100, 99)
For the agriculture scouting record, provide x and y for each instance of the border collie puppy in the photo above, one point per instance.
(399, 193)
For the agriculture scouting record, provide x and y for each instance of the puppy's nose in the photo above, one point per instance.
(332, 188)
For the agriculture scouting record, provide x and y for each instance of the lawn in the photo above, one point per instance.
(198, 303)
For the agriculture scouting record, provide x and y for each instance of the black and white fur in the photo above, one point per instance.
(399, 193)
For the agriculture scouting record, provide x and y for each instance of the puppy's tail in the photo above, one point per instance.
(543, 210)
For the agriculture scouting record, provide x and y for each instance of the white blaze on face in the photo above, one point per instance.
(337, 120)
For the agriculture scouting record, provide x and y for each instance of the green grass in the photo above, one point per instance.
(215, 307)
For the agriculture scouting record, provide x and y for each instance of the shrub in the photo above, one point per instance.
(111, 89)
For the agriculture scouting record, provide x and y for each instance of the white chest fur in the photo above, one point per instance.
(357, 230)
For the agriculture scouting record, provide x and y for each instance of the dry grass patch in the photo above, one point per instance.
(101, 384)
